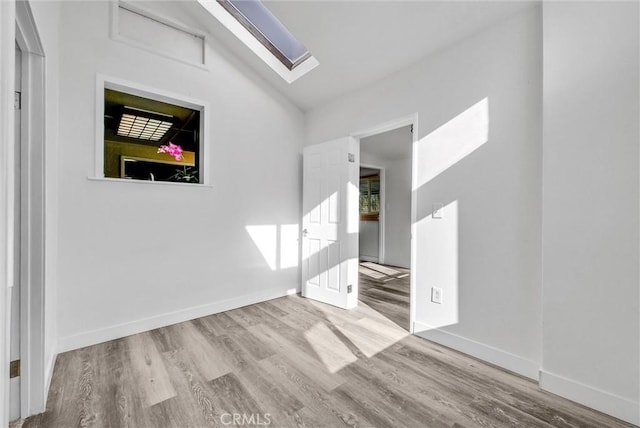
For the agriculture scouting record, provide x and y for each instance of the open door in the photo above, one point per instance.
(330, 222)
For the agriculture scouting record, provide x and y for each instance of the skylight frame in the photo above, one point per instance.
(248, 39)
(262, 38)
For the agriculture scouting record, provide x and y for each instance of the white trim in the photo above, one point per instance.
(32, 288)
(49, 368)
(7, 70)
(238, 30)
(93, 337)
(503, 359)
(414, 220)
(382, 216)
(104, 81)
(411, 119)
(114, 32)
(387, 126)
(152, 183)
(603, 401)
(369, 259)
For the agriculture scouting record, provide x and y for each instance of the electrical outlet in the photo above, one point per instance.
(436, 295)
(436, 210)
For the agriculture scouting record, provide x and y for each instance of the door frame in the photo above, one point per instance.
(381, 216)
(33, 379)
(7, 71)
(411, 119)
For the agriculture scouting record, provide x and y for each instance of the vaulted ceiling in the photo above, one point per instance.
(356, 42)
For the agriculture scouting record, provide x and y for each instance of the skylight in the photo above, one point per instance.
(262, 32)
(268, 30)
(133, 125)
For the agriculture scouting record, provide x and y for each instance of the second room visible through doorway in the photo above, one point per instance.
(385, 223)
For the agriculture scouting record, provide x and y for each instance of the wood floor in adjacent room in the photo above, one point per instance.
(293, 362)
(386, 290)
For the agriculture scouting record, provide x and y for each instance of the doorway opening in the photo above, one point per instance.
(28, 383)
(386, 158)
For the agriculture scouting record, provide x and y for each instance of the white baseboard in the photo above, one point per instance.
(487, 353)
(605, 402)
(93, 337)
(369, 258)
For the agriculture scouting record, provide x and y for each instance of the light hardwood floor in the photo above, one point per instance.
(293, 362)
(388, 293)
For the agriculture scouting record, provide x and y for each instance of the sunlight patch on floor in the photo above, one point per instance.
(372, 336)
(370, 333)
(371, 273)
(333, 353)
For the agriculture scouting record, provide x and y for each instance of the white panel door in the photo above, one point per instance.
(330, 222)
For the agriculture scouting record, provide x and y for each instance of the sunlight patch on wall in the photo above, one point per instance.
(332, 352)
(277, 244)
(266, 239)
(438, 255)
(453, 141)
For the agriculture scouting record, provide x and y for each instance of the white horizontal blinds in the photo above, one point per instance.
(271, 28)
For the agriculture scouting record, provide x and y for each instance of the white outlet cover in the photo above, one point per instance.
(436, 295)
(436, 211)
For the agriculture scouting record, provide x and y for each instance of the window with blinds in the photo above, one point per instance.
(370, 198)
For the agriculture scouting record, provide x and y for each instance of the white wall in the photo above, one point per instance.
(490, 259)
(134, 255)
(397, 244)
(591, 184)
(397, 214)
(369, 241)
(369, 232)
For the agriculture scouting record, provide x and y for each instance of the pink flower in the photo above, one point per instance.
(173, 150)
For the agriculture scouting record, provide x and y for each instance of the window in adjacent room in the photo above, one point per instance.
(151, 139)
(370, 198)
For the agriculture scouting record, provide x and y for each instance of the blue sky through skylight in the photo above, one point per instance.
(271, 28)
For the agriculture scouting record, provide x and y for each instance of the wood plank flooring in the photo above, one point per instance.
(293, 362)
(385, 291)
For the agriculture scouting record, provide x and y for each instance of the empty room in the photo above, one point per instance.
(311, 213)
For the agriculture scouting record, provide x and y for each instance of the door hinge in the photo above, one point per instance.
(17, 100)
(349, 289)
(14, 369)
(352, 157)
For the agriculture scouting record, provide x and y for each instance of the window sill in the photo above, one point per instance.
(154, 183)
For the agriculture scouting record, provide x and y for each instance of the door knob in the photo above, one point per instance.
(305, 232)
